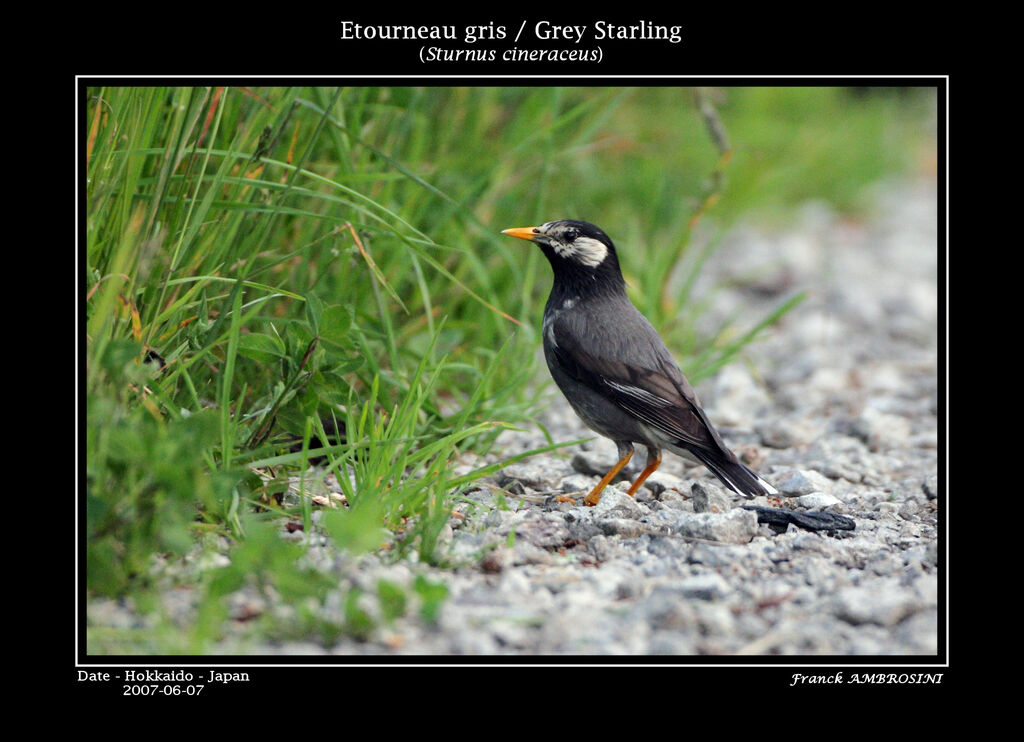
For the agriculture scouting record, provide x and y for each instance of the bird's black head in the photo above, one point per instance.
(581, 254)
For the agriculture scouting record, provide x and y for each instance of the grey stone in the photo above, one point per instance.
(581, 530)
(600, 547)
(660, 482)
(788, 432)
(802, 482)
(840, 467)
(664, 609)
(578, 483)
(542, 532)
(496, 517)
(734, 527)
(598, 461)
(710, 586)
(817, 501)
(887, 508)
(736, 398)
(668, 547)
(880, 430)
(908, 509)
(538, 475)
(714, 555)
(525, 552)
(674, 500)
(616, 503)
(883, 602)
(612, 526)
(709, 498)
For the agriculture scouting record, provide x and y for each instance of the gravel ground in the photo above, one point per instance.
(837, 407)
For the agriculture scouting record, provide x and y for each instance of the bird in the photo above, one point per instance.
(614, 369)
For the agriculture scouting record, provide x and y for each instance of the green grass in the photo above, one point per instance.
(308, 255)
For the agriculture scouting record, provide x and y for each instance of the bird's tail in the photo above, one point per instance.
(733, 474)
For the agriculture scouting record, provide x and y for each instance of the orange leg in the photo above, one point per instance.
(595, 494)
(648, 471)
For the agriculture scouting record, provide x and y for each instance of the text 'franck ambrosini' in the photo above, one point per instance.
(541, 30)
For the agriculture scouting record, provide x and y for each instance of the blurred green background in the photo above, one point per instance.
(274, 271)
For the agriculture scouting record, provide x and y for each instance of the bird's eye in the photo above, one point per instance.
(570, 235)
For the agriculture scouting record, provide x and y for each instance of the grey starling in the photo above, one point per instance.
(614, 369)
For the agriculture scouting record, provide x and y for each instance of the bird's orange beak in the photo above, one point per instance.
(523, 233)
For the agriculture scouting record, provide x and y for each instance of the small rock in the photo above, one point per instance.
(736, 397)
(803, 482)
(577, 483)
(621, 527)
(752, 456)
(788, 432)
(600, 547)
(525, 552)
(708, 498)
(615, 503)
(818, 500)
(496, 517)
(598, 458)
(880, 430)
(543, 532)
(925, 439)
(926, 555)
(908, 508)
(715, 620)
(665, 610)
(840, 467)
(495, 560)
(881, 602)
(673, 500)
(668, 547)
(661, 481)
(583, 530)
(884, 378)
(714, 556)
(538, 475)
(709, 586)
(734, 527)
(828, 381)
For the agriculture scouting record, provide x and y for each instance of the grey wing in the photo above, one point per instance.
(631, 367)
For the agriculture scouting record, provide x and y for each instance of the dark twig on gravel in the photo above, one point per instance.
(778, 519)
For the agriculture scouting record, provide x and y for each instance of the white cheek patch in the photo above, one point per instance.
(585, 250)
